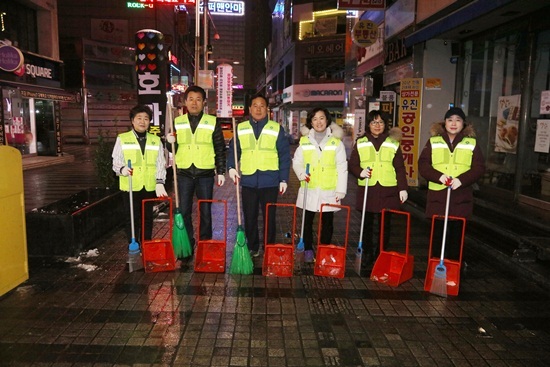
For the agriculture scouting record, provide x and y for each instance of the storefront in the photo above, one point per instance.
(30, 114)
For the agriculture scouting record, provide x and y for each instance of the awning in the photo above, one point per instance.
(453, 20)
(42, 92)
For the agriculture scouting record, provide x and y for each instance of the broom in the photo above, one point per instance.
(180, 238)
(241, 262)
(135, 262)
(300, 246)
(359, 252)
(439, 282)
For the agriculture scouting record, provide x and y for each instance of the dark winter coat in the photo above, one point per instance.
(462, 199)
(380, 197)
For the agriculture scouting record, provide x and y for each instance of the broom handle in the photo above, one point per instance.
(237, 168)
(131, 201)
(172, 129)
(445, 224)
(363, 214)
(304, 205)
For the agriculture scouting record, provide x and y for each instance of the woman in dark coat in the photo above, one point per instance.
(460, 170)
(379, 196)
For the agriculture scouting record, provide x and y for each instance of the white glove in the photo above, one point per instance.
(171, 138)
(125, 171)
(366, 173)
(282, 187)
(160, 191)
(455, 184)
(340, 196)
(221, 180)
(304, 177)
(445, 180)
(403, 196)
(233, 174)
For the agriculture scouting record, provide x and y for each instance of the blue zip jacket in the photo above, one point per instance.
(263, 179)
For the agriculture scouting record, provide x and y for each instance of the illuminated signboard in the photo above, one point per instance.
(169, 2)
(135, 5)
(224, 7)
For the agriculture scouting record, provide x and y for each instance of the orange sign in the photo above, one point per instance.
(364, 33)
(409, 122)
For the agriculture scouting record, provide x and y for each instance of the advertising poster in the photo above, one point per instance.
(225, 90)
(506, 138)
(542, 139)
(151, 71)
(409, 122)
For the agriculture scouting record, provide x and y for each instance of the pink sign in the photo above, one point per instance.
(225, 90)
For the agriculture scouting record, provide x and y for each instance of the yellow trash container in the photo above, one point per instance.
(14, 268)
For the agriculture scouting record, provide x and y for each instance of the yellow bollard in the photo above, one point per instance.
(14, 268)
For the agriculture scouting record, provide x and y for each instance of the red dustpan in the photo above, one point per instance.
(392, 267)
(279, 257)
(158, 253)
(210, 255)
(330, 260)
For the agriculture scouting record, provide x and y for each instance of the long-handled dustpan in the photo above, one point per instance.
(241, 262)
(135, 261)
(359, 252)
(180, 237)
(439, 282)
(300, 246)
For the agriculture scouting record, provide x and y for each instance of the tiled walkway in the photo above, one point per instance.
(93, 312)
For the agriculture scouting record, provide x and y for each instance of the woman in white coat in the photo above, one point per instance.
(321, 147)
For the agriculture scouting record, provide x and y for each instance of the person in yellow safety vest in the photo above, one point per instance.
(148, 169)
(264, 155)
(451, 157)
(377, 156)
(321, 147)
(200, 160)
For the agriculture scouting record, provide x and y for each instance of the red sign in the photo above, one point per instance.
(361, 4)
(170, 2)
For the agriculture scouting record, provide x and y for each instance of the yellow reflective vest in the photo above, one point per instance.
(197, 148)
(261, 154)
(322, 169)
(381, 161)
(144, 165)
(450, 163)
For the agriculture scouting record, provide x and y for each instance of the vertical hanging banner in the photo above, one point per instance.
(409, 122)
(151, 76)
(225, 90)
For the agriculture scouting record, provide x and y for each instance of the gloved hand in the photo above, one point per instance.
(366, 173)
(403, 196)
(304, 177)
(455, 184)
(233, 174)
(125, 171)
(221, 180)
(171, 138)
(340, 196)
(445, 180)
(160, 190)
(282, 187)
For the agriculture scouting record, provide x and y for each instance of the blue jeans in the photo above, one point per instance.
(202, 187)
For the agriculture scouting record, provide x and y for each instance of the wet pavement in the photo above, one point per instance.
(91, 311)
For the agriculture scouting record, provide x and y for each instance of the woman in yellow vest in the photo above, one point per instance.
(321, 147)
(148, 170)
(379, 150)
(451, 157)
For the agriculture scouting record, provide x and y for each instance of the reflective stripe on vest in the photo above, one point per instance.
(322, 169)
(450, 163)
(258, 154)
(197, 148)
(143, 165)
(381, 161)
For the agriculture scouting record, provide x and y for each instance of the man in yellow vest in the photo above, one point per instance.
(200, 159)
(148, 168)
(264, 155)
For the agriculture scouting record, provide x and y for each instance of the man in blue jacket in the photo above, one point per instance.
(263, 153)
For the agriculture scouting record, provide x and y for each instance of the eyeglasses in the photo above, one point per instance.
(372, 123)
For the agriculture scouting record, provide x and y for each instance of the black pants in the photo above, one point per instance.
(253, 199)
(452, 242)
(326, 230)
(203, 188)
(137, 197)
(371, 231)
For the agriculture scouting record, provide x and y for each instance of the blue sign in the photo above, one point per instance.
(228, 7)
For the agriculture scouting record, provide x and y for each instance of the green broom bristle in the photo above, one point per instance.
(180, 238)
(241, 262)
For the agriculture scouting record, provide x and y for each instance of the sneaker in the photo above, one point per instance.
(254, 253)
(308, 256)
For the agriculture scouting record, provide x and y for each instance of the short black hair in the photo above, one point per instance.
(312, 113)
(195, 89)
(258, 95)
(373, 114)
(139, 109)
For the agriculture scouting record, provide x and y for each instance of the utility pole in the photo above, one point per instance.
(206, 41)
(197, 43)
